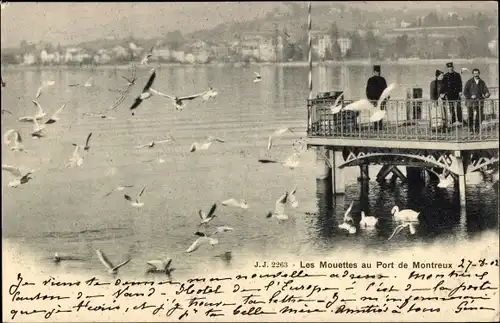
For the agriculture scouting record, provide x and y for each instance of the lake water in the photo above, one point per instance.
(63, 209)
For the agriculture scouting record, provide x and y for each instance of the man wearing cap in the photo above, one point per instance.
(374, 88)
(453, 91)
(475, 91)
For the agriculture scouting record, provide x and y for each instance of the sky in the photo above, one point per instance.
(69, 23)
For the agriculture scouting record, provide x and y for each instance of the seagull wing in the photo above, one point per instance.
(270, 142)
(119, 101)
(212, 210)
(257, 74)
(128, 198)
(396, 230)
(157, 264)
(105, 261)
(121, 264)
(55, 116)
(40, 110)
(359, 105)
(140, 194)
(136, 103)
(202, 214)
(386, 93)
(13, 170)
(230, 201)
(150, 81)
(280, 203)
(338, 99)
(6, 136)
(266, 161)
(163, 94)
(88, 139)
(191, 97)
(349, 209)
(195, 245)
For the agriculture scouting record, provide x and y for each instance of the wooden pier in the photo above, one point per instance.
(413, 134)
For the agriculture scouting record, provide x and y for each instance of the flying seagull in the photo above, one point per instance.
(149, 54)
(146, 91)
(347, 215)
(204, 146)
(293, 199)
(75, 159)
(203, 239)
(20, 177)
(178, 101)
(45, 84)
(154, 143)
(111, 269)
(130, 83)
(277, 132)
(119, 189)
(205, 218)
(291, 162)
(463, 70)
(279, 211)
(37, 132)
(18, 141)
(86, 147)
(377, 113)
(88, 83)
(137, 202)
(257, 77)
(336, 107)
(55, 116)
(40, 114)
(233, 202)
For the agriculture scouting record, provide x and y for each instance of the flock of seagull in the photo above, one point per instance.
(14, 141)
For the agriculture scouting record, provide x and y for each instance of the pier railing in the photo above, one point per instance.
(409, 120)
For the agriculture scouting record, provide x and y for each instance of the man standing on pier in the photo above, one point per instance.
(475, 91)
(374, 88)
(452, 82)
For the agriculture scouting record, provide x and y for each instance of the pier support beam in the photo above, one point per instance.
(363, 173)
(398, 174)
(461, 178)
(322, 163)
(338, 183)
(414, 174)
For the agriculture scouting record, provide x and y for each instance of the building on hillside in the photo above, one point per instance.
(344, 44)
(162, 53)
(432, 32)
(493, 46)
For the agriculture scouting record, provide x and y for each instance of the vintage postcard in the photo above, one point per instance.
(250, 161)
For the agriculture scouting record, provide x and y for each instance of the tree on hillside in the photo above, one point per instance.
(174, 39)
(371, 45)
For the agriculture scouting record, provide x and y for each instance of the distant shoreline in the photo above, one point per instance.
(360, 62)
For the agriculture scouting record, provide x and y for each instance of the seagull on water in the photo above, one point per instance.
(162, 266)
(402, 226)
(99, 115)
(58, 258)
(405, 215)
(119, 189)
(18, 141)
(277, 132)
(40, 114)
(88, 83)
(205, 218)
(233, 202)
(21, 178)
(111, 269)
(279, 210)
(154, 143)
(86, 147)
(257, 77)
(445, 179)
(75, 159)
(225, 256)
(347, 215)
(293, 199)
(367, 221)
(178, 101)
(149, 54)
(203, 239)
(146, 91)
(348, 227)
(204, 146)
(137, 202)
(45, 84)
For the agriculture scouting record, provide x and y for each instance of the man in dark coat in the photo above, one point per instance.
(374, 88)
(475, 91)
(453, 91)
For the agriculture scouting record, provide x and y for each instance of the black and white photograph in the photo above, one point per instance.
(250, 161)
